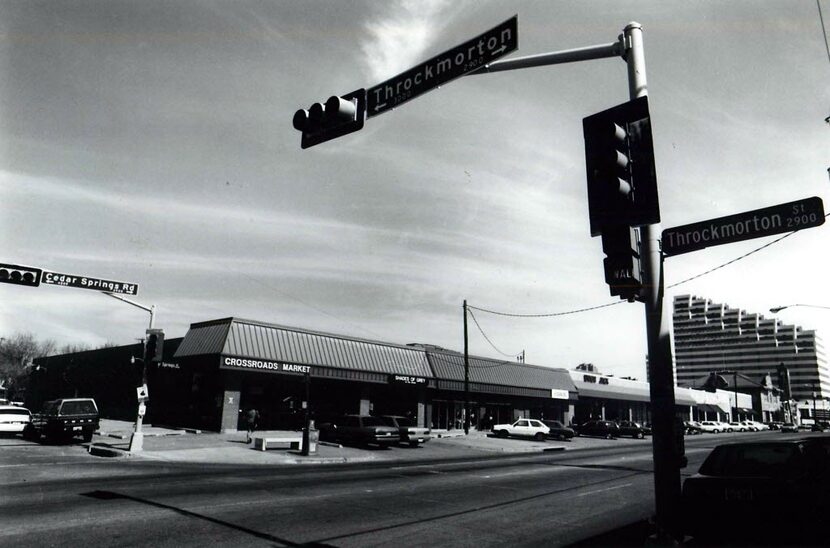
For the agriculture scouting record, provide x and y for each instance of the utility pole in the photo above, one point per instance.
(466, 375)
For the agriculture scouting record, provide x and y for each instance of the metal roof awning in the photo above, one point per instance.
(614, 392)
(267, 347)
(708, 408)
(488, 374)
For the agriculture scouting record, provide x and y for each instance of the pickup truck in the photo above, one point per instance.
(63, 419)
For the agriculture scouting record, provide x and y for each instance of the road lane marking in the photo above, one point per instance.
(604, 490)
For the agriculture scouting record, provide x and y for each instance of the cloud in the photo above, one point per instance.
(401, 37)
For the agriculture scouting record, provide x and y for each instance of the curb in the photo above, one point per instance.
(104, 451)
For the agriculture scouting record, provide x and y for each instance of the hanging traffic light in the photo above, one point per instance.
(619, 160)
(337, 117)
(622, 264)
(20, 275)
(154, 351)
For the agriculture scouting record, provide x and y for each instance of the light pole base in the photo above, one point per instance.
(137, 442)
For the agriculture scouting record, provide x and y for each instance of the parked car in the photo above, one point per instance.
(633, 429)
(750, 426)
(713, 427)
(525, 428)
(559, 431)
(61, 420)
(408, 430)
(360, 430)
(737, 427)
(774, 425)
(14, 419)
(605, 429)
(742, 485)
(820, 426)
(789, 427)
(760, 426)
(693, 428)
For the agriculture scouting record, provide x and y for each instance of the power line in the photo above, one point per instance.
(580, 310)
(486, 338)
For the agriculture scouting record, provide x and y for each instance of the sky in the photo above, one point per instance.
(151, 142)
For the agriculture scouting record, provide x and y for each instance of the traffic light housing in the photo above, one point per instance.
(20, 275)
(619, 161)
(334, 118)
(154, 351)
(622, 263)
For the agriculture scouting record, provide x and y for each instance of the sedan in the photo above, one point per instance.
(523, 428)
(14, 419)
(789, 427)
(711, 426)
(559, 431)
(605, 429)
(633, 429)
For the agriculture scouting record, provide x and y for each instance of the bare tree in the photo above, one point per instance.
(17, 352)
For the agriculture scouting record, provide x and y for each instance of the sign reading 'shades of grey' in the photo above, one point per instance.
(458, 61)
(788, 217)
(85, 282)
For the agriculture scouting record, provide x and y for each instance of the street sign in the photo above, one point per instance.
(84, 282)
(142, 393)
(458, 61)
(758, 223)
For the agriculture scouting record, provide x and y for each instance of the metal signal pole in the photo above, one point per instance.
(664, 440)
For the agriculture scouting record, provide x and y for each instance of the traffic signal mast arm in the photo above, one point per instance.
(615, 49)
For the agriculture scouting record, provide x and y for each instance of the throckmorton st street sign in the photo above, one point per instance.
(467, 57)
(788, 217)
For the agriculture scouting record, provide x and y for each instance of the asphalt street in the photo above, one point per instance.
(59, 496)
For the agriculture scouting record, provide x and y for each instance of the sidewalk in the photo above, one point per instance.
(170, 444)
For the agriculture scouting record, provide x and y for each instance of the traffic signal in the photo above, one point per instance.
(20, 275)
(154, 351)
(619, 160)
(334, 118)
(622, 264)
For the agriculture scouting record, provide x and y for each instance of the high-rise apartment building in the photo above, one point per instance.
(710, 337)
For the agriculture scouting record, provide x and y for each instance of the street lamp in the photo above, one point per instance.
(777, 309)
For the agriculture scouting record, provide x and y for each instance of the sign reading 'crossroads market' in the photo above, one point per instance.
(788, 217)
(467, 57)
(265, 365)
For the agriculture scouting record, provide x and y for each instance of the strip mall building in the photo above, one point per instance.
(223, 367)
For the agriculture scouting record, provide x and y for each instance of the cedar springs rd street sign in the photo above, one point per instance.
(458, 61)
(788, 217)
(84, 282)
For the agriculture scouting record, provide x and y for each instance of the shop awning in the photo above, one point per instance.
(262, 344)
(489, 375)
(708, 408)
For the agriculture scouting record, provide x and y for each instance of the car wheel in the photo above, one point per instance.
(640, 435)
(503, 433)
(87, 436)
(609, 436)
(539, 436)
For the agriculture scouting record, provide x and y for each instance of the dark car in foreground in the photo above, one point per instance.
(62, 420)
(360, 430)
(410, 433)
(604, 429)
(559, 431)
(742, 486)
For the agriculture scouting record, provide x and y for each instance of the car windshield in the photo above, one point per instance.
(757, 460)
(372, 421)
(82, 407)
(403, 421)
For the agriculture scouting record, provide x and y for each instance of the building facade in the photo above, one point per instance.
(712, 337)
